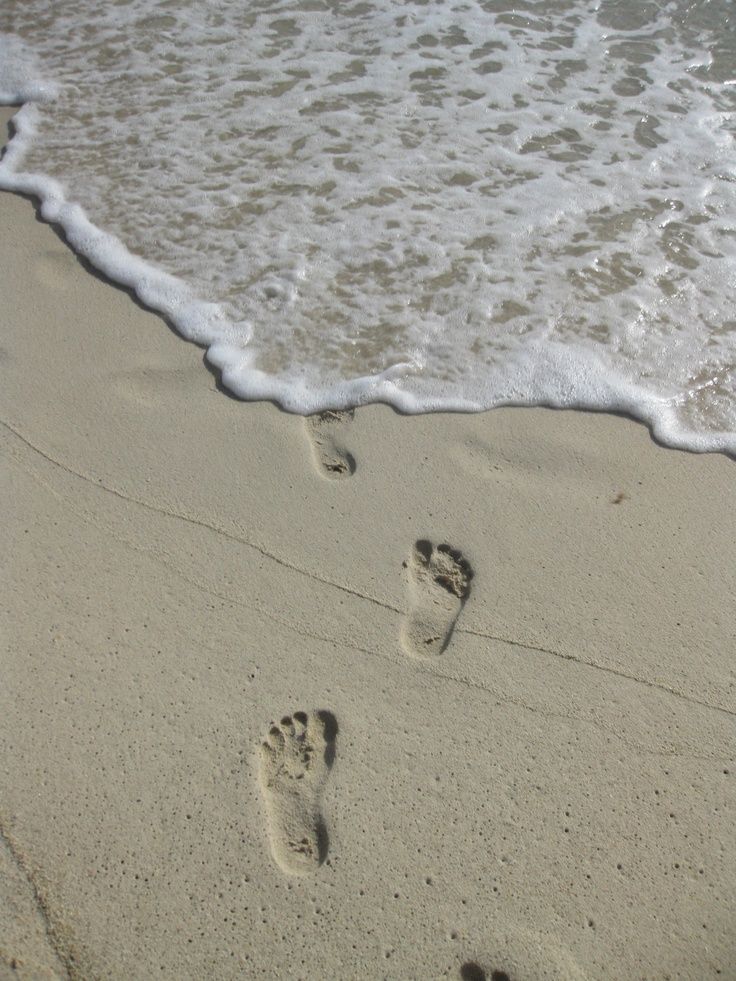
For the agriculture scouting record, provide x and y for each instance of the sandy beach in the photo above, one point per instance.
(491, 658)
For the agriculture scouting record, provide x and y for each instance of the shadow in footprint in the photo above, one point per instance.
(439, 585)
(296, 758)
(470, 971)
(326, 432)
(330, 729)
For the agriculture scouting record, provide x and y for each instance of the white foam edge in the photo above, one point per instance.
(205, 323)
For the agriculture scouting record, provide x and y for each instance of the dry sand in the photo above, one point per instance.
(549, 796)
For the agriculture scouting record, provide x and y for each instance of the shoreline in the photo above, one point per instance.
(550, 797)
(170, 299)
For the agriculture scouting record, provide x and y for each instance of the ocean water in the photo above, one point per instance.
(441, 205)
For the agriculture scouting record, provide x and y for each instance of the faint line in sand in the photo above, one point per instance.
(196, 522)
(602, 667)
(59, 946)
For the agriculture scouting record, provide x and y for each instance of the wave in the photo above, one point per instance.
(446, 209)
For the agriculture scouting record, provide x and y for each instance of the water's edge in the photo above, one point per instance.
(200, 322)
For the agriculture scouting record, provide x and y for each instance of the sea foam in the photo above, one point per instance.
(438, 205)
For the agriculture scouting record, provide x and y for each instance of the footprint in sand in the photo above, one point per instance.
(326, 431)
(439, 584)
(521, 954)
(296, 758)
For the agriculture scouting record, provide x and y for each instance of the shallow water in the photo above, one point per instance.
(440, 205)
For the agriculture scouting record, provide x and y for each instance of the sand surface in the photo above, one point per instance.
(511, 757)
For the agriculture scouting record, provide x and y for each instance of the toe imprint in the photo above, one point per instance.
(296, 758)
(439, 584)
